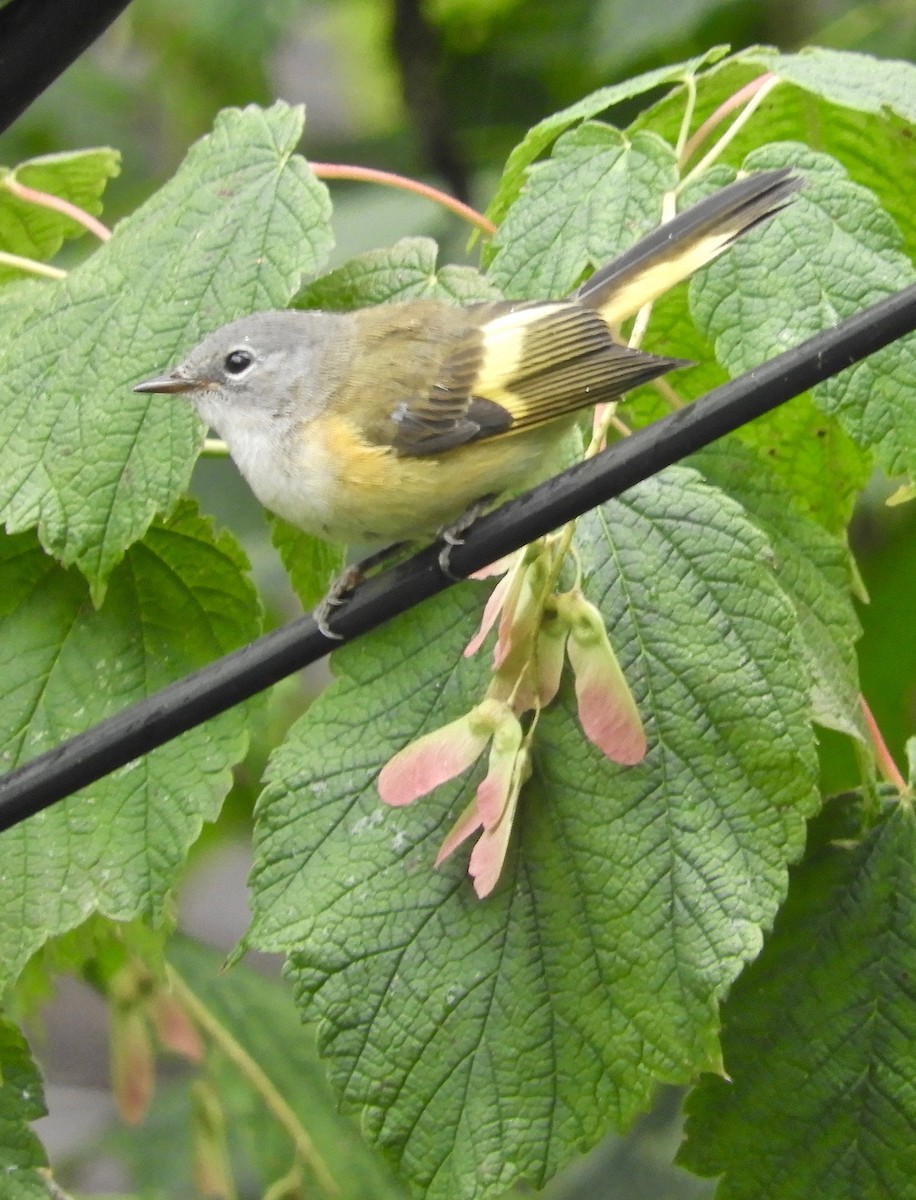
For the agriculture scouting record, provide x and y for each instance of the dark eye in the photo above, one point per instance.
(237, 361)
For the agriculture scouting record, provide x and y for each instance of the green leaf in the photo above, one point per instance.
(598, 193)
(818, 1040)
(813, 570)
(178, 600)
(814, 459)
(94, 951)
(485, 1042)
(874, 144)
(34, 231)
(21, 1101)
(310, 563)
(544, 134)
(405, 271)
(81, 456)
(836, 252)
(807, 451)
(257, 1015)
(857, 81)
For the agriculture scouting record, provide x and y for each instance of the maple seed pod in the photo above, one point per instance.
(489, 853)
(491, 611)
(174, 1028)
(494, 792)
(466, 826)
(493, 806)
(133, 1066)
(549, 655)
(521, 613)
(439, 756)
(607, 710)
(514, 602)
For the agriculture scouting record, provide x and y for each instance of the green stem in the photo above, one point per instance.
(388, 179)
(753, 93)
(667, 393)
(256, 1077)
(55, 1191)
(31, 265)
(691, 85)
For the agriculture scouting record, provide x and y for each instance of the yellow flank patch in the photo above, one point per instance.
(626, 301)
(374, 489)
(382, 496)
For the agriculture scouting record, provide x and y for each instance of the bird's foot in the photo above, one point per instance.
(454, 534)
(345, 583)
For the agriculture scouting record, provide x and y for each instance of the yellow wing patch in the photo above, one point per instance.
(549, 360)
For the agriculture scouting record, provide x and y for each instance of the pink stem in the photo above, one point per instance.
(727, 106)
(34, 196)
(885, 762)
(388, 179)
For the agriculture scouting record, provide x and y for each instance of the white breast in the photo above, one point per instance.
(289, 476)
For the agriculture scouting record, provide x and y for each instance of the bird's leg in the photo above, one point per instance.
(453, 533)
(348, 579)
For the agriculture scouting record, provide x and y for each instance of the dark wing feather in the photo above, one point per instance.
(524, 365)
(448, 413)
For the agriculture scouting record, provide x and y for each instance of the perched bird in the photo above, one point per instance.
(388, 423)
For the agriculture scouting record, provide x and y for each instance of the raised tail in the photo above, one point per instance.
(685, 243)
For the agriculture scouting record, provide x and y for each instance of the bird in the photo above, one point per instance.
(391, 423)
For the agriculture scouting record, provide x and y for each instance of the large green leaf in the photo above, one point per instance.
(813, 569)
(808, 452)
(541, 136)
(856, 81)
(35, 231)
(82, 457)
(405, 271)
(488, 1041)
(598, 192)
(836, 253)
(21, 1102)
(814, 105)
(818, 1041)
(177, 600)
(814, 459)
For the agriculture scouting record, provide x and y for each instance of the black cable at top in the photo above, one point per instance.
(143, 726)
(39, 39)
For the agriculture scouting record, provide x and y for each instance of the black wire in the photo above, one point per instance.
(39, 39)
(181, 706)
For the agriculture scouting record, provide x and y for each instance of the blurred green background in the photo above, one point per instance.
(442, 90)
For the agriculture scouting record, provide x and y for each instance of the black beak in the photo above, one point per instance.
(175, 381)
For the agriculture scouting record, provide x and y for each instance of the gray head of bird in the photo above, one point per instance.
(263, 367)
